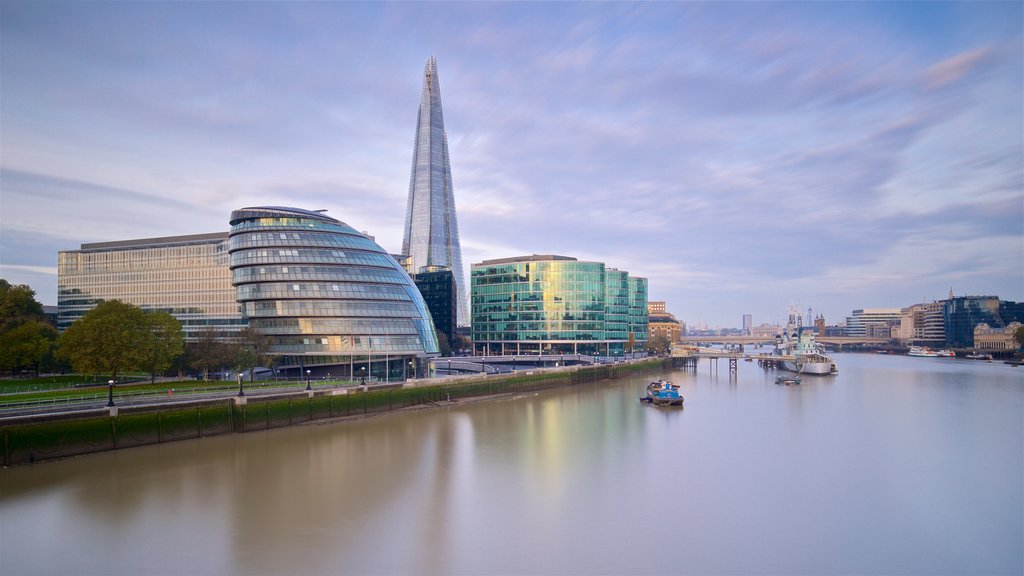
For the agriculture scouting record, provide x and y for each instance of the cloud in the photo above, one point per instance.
(956, 68)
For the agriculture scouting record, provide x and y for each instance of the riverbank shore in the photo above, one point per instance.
(37, 438)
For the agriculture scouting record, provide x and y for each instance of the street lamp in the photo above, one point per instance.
(240, 392)
(362, 377)
(110, 392)
(513, 363)
(412, 369)
(308, 387)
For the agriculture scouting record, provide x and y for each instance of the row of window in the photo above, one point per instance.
(330, 308)
(388, 275)
(266, 291)
(309, 256)
(373, 326)
(311, 239)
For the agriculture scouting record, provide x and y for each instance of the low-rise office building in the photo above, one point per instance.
(547, 304)
(187, 276)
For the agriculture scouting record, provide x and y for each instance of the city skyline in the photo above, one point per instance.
(742, 157)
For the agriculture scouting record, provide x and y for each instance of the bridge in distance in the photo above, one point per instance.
(833, 340)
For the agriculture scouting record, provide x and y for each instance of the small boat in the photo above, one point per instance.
(787, 380)
(663, 393)
(977, 356)
(946, 354)
(922, 351)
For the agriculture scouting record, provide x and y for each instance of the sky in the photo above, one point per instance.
(745, 157)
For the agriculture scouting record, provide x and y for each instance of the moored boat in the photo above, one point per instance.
(977, 356)
(787, 380)
(663, 393)
(800, 353)
(922, 352)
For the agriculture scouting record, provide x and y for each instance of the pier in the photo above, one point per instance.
(686, 357)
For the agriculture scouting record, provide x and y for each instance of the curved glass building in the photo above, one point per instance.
(330, 299)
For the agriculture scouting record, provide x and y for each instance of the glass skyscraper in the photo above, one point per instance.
(547, 304)
(431, 231)
(329, 298)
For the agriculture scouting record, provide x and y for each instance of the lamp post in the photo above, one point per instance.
(513, 363)
(240, 392)
(110, 392)
(362, 377)
(308, 387)
(412, 369)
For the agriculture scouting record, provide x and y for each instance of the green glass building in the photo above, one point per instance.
(547, 304)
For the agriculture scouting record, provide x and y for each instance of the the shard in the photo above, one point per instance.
(431, 237)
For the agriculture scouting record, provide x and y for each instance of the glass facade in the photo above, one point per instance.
(187, 276)
(330, 299)
(431, 236)
(439, 292)
(960, 315)
(554, 305)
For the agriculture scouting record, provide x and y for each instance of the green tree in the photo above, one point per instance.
(659, 344)
(253, 349)
(209, 351)
(442, 343)
(28, 345)
(1018, 335)
(112, 338)
(18, 305)
(166, 342)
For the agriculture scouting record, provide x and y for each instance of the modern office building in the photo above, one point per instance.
(961, 314)
(330, 299)
(547, 304)
(440, 293)
(872, 322)
(922, 325)
(431, 238)
(187, 276)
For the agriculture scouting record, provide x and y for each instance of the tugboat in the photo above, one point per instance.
(663, 393)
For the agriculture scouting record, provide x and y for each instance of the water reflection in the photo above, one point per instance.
(889, 467)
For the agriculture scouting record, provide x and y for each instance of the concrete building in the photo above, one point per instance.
(547, 304)
(187, 276)
(872, 322)
(922, 325)
(996, 339)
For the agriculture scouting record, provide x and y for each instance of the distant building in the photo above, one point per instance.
(876, 321)
(547, 304)
(748, 322)
(766, 331)
(187, 276)
(987, 338)
(662, 324)
(922, 325)
(439, 290)
(961, 314)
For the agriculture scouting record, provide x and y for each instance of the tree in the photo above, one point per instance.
(253, 349)
(442, 343)
(112, 338)
(660, 343)
(1018, 335)
(28, 345)
(18, 305)
(210, 351)
(165, 344)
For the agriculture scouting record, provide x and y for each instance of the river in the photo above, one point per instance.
(896, 466)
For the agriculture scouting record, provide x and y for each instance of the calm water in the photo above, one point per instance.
(896, 466)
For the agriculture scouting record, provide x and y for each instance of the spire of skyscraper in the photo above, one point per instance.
(431, 231)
